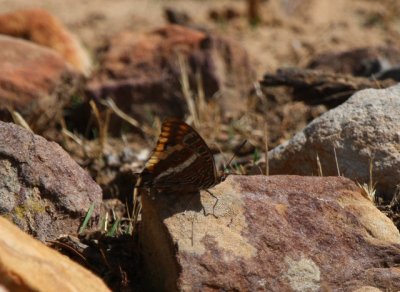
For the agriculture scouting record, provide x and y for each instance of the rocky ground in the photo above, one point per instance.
(312, 202)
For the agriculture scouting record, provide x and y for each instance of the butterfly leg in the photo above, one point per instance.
(215, 204)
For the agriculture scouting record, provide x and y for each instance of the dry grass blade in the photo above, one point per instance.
(19, 120)
(187, 92)
(137, 207)
(116, 110)
(320, 173)
(201, 99)
(369, 190)
(102, 226)
(104, 223)
(70, 248)
(72, 136)
(266, 148)
(378, 84)
(103, 125)
(69, 134)
(336, 161)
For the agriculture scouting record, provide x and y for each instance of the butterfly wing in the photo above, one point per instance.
(181, 160)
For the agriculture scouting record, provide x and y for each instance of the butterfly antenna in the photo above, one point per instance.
(234, 155)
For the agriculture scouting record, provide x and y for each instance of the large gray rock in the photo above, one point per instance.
(365, 128)
(42, 189)
(277, 233)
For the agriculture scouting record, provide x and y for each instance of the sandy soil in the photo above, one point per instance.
(291, 31)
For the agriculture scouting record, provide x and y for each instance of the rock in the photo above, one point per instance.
(35, 81)
(28, 265)
(277, 233)
(362, 129)
(367, 289)
(42, 189)
(320, 87)
(359, 62)
(175, 16)
(142, 72)
(39, 26)
(224, 14)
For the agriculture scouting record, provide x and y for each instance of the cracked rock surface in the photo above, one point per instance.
(276, 233)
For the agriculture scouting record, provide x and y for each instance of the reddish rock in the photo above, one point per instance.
(35, 81)
(39, 26)
(279, 233)
(28, 265)
(42, 189)
(142, 73)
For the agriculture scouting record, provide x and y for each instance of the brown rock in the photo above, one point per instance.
(142, 72)
(279, 233)
(320, 87)
(39, 26)
(28, 265)
(35, 81)
(42, 189)
(358, 62)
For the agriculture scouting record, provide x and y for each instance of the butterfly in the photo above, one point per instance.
(181, 160)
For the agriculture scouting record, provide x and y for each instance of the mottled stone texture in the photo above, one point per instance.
(278, 233)
(362, 131)
(42, 189)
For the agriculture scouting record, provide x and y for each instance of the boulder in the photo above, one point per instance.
(276, 233)
(361, 131)
(142, 72)
(35, 81)
(28, 265)
(42, 28)
(42, 189)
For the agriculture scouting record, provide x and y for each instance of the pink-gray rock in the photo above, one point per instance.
(42, 189)
(363, 129)
(142, 72)
(278, 233)
(35, 81)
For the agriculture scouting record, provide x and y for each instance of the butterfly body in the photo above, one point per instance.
(181, 160)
